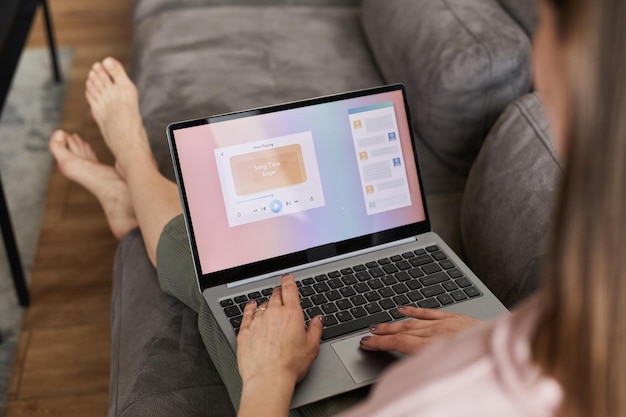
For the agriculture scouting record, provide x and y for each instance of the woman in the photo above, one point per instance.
(561, 353)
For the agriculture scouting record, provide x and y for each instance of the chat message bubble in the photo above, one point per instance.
(262, 171)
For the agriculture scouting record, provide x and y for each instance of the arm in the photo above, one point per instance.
(275, 351)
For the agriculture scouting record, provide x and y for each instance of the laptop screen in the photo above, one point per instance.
(277, 187)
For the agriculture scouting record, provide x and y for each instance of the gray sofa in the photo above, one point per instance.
(489, 169)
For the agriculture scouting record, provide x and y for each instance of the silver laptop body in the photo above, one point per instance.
(329, 190)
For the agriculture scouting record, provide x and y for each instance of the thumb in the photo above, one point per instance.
(314, 330)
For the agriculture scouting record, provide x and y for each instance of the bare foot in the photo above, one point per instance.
(78, 162)
(114, 104)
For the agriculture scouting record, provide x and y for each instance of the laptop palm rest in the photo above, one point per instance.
(363, 366)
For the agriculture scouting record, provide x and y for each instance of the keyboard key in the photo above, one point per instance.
(314, 311)
(347, 271)
(349, 279)
(375, 284)
(395, 314)
(414, 284)
(390, 269)
(431, 268)
(361, 287)
(344, 304)
(307, 291)
(384, 261)
(308, 281)
(232, 311)
(267, 292)
(433, 290)
(372, 264)
(241, 299)
(363, 276)
(372, 308)
(402, 276)
(359, 268)
(227, 303)
(438, 256)
(400, 288)
(407, 255)
(236, 322)
(358, 312)
(463, 282)
(447, 264)
(386, 292)
(415, 296)
(421, 260)
(335, 283)
(387, 304)
(329, 308)
(445, 299)
(319, 299)
(419, 252)
(434, 279)
(347, 291)
(334, 274)
(401, 300)
(344, 316)
(458, 295)
(403, 265)
(390, 280)
(262, 300)
(298, 284)
(416, 272)
(472, 292)
(333, 295)
(396, 258)
(450, 286)
(321, 287)
(354, 325)
(358, 300)
(377, 272)
(455, 273)
(372, 296)
(242, 306)
(320, 278)
(305, 303)
(433, 248)
(331, 320)
(429, 303)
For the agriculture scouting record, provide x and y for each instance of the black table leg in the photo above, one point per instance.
(51, 42)
(12, 252)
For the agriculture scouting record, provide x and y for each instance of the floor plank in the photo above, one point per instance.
(91, 405)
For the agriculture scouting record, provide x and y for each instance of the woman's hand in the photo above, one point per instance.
(408, 336)
(273, 341)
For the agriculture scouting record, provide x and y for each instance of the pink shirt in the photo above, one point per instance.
(484, 372)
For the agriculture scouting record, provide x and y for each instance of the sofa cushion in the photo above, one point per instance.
(159, 365)
(525, 13)
(463, 62)
(507, 203)
(246, 57)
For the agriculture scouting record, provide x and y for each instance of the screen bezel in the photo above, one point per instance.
(299, 258)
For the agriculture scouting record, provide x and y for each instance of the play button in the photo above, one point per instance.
(276, 206)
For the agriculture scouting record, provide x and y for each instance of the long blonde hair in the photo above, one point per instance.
(581, 339)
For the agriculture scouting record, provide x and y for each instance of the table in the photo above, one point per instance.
(16, 18)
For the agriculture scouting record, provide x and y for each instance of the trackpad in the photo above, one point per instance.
(363, 366)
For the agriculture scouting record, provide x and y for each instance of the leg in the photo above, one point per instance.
(115, 107)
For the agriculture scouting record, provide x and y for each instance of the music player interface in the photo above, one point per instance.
(269, 178)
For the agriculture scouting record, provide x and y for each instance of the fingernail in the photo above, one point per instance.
(323, 320)
(285, 275)
(373, 327)
(251, 301)
(365, 338)
(400, 308)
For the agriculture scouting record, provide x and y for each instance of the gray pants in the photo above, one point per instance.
(177, 278)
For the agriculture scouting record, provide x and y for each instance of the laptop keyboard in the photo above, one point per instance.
(353, 298)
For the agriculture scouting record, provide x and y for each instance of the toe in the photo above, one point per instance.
(115, 69)
(58, 144)
(100, 75)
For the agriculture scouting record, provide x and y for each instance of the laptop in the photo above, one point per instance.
(327, 189)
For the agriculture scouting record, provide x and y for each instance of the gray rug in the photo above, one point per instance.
(32, 112)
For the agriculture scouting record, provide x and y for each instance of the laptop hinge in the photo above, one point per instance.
(321, 262)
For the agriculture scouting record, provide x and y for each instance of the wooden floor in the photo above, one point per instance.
(62, 363)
